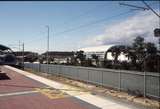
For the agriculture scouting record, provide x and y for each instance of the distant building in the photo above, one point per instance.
(100, 51)
(25, 53)
(28, 56)
(59, 56)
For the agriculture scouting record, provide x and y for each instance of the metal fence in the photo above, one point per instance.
(145, 83)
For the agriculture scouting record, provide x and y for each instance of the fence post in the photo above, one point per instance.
(88, 77)
(119, 80)
(31, 66)
(39, 67)
(59, 73)
(102, 78)
(78, 74)
(144, 88)
(68, 72)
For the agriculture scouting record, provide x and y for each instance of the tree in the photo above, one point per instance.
(116, 51)
(139, 48)
(94, 56)
(88, 62)
(150, 48)
(152, 63)
(139, 52)
(130, 53)
(80, 55)
(151, 58)
(136, 52)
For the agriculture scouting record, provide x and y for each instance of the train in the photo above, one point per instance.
(7, 56)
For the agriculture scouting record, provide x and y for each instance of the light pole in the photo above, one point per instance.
(47, 49)
(19, 45)
(23, 55)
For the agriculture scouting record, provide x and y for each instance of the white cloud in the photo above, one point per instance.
(141, 24)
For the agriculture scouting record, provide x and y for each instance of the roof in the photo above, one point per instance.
(20, 53)
(96, 48)
(105, 48)
(59, 53)
(2, 47)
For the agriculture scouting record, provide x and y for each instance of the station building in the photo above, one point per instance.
(59, 56)
(101, 51)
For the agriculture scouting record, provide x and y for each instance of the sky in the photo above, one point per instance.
(74, 24)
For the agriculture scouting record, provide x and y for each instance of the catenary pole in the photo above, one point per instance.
(47, 49)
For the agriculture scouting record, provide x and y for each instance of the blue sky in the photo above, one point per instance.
(26, 21)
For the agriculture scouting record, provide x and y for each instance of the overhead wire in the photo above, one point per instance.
(90, 23)
(75, 18)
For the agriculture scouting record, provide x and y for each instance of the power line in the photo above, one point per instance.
(83, 14)
(148, 7)
(92, 23)
(75, 18)
(134, 6)
(151, 9)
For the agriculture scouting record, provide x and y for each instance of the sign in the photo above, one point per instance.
(157, 32)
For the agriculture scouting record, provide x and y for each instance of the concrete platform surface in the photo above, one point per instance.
(24, 90)
(21, 92)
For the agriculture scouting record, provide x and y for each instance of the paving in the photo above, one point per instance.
(24, 90)
(20, 92)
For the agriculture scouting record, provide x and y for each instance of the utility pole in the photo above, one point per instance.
(48, 49)
(19, 45)
(156, 32)
(23, 56)
(148, 7)
(151, 9)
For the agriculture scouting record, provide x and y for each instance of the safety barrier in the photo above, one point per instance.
(144, 83)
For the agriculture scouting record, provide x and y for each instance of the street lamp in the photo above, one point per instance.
(47, 48)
